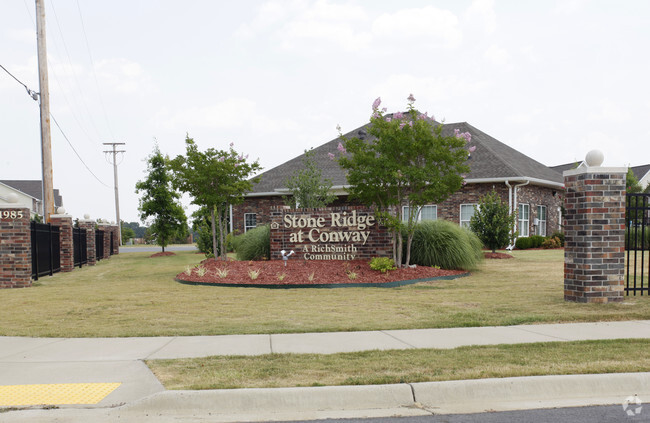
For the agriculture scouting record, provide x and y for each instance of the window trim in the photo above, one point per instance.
(520, 220)
(541, 222)
(246, 227)
(419, 216)
(460, 214)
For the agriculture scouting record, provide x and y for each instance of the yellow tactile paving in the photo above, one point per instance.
(55, 394)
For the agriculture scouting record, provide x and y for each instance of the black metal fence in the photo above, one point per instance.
(637, 243)
(112, 245)
(99, 245)
(46, 249)
(80, 243)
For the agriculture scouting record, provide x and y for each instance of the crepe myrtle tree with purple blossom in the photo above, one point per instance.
(406, 161)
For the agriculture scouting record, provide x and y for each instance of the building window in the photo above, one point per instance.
(428, 212)
(523, 219)
(466, 213)
(250, 221)
(541, 221)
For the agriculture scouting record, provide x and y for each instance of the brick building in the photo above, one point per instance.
(531, 189)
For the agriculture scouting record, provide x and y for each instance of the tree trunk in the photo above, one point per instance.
(214, 234)
(409, 241)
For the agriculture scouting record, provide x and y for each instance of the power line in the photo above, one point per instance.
(75, 151)
(99, 93)
(31, 93)
(73, 71)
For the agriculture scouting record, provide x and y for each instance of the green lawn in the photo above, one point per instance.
(404, 366)
(135, 295)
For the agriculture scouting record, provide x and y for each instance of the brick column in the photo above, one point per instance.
(594, 255)
(107, 239)
(15, 247)
(89, 226)
(64, 222)
(116, 239)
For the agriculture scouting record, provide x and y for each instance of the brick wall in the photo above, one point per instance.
(15, 247)
(594, 267)
(332, 233)
(533, 195)
(64, 222)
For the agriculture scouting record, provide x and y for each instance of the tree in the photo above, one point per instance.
(127, 233)
(409, 163)
(160, 201)
(307, 187)
(215, 179)
(492, 221)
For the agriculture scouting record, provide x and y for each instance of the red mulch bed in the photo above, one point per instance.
(491, 255)
(325, 272)
(161, 254)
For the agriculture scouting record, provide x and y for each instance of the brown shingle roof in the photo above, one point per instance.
(33, 189)
(491, 160)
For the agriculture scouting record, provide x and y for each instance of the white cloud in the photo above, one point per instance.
(526, 117)
(428, 91)
(432, 25)
(609, 111)
(481, 13)
(124, 76)
(570, 7)
(233, 113)
(497, 55)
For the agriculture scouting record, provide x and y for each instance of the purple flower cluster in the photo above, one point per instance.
(466, 135)
(341, 148)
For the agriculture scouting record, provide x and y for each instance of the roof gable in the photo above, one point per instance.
(491, 160)
(34, 189)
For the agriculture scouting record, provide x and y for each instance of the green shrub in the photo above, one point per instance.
(382, 264)
(524, 243)
(445, 244)
(537, 241)
(254, 244)
(560, 236)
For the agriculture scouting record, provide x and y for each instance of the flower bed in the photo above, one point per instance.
(306, 273)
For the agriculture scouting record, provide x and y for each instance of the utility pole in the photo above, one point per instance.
(46, 141)
(117, 197)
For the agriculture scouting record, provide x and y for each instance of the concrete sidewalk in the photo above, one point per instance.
(30, 361)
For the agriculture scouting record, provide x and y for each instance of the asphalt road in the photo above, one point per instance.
(599, 414)
(154, 248)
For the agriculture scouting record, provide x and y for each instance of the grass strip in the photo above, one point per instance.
(132, 294)
(404, 366)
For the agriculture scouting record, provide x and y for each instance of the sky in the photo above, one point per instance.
(552, 79)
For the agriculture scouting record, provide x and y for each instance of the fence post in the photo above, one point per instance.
(15, 247)
(594, 254)
(89, 226)
(64, 222)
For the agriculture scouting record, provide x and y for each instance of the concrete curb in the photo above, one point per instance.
(450, 397)
(276, 400)
(517, 393)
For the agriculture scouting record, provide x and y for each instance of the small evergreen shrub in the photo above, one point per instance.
(537, 241)
(382, 264)
(254, 244)
(445, 244)
(524, 243)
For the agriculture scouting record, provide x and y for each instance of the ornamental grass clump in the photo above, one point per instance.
(254, 244)
(447, 245)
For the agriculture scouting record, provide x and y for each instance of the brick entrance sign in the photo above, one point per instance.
(594, 255)
(330, 233)
(15, 247)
